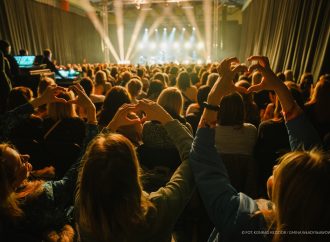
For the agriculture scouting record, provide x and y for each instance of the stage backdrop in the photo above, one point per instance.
(293, 33)
(35, 26)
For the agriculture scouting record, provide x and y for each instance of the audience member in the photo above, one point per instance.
(31, 209)
(5, 84)
(121, 211)
(294, 187)
(12, 69)
(114, 99)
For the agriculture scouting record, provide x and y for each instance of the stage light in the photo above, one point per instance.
(183, 29)
(164, 29)
(146, 29)
(199, 61)
(124, 62)
(187, 45)
(152, 45)
(186, 62)
(156, 30)
(141, 45)
(163, 45)
(176, 45)
(193, 28)
(174, 28)
(200, 45)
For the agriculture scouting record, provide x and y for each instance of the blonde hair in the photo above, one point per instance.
(9, 199)
(58, 111)
(171, 100)
(134, 87)
(301, 194)
(109, 201)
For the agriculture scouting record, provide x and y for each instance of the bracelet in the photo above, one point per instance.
(211, 107)
(92, 122)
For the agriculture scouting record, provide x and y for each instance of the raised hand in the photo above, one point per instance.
(227, 69)
(84, 101)
(49, 96)
(270, 81)
(153, 111)
(123, 117)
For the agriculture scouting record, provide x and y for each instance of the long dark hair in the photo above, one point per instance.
(114, 99)
(109, 199)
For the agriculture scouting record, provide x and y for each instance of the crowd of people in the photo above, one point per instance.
(166, 153)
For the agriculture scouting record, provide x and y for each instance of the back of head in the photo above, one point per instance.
(194, 78)
(231, 110)
(204, 77)
(174, 70)
(87, 85)
(183, 81)
(301, 194)
(281, 76)
(58, 111)
(134, 87)
(155, 88)
(322, 89)
(4, 47)
(160, 76)
(114, 99)
(47, 53)
(19, 96)
(171, 100)
(100, 78)
(321, 98)
(109, 189)
(124, 78)
(211, 79)
(23, 52)
(289, 75)
(306, 81)
(202, 94)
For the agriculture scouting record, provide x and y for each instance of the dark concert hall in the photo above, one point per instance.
(164, 120)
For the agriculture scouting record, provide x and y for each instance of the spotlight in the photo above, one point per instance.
(187, 45)
(163, 45)
(186, 62)
(165, 29)
(152, 45)
(200, 45)
(174, 28)
(183, 29)
(146, 29)
(156, 30)
(193, 28)
(176, 45)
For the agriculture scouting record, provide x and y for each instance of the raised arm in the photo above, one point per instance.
(63, 190)
(10, 119)
(227, 208)
(301, 132)
(172, 198)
